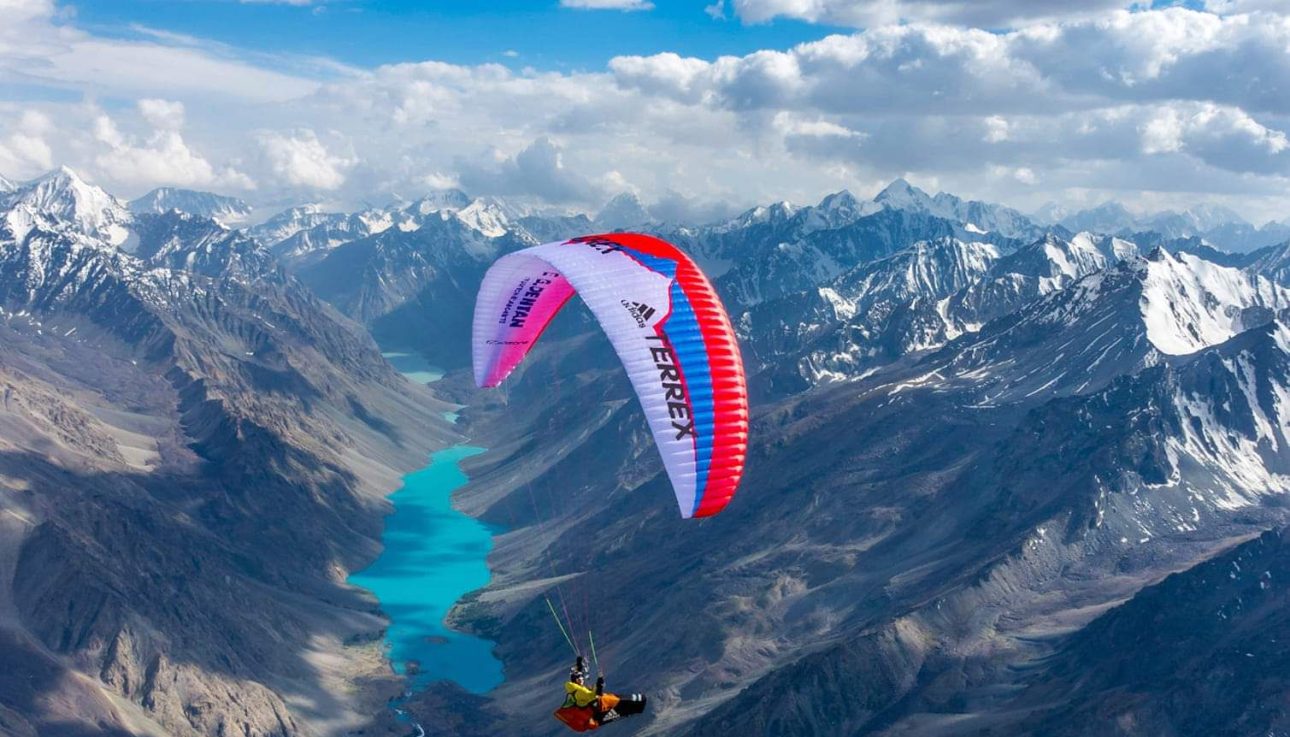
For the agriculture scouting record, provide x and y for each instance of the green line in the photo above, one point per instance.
(560, 624)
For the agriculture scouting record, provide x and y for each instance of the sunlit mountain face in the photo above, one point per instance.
(993, 462)
(1010, 283)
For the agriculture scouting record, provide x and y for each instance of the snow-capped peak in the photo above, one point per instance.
(837, 210)
(1085, 253)
(983, 217)
(439, 200)
(1189, 303)
(6, 186)
(901, 195)
(1108, 217)
(842, 201)
(1050, 213)
(485, 216)
(773, 213)
(623, 211)
(291, 221)
(62, 196)
(1207, 216)
(222, 209)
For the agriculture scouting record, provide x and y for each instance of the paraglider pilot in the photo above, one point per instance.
(585, 709)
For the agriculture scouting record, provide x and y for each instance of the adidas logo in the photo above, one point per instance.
(639, 310)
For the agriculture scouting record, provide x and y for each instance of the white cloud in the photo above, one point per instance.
(1123, 57)
(871, 13)
(996, 129)
(1223, 137)
(24, 150)
(536, 171)
(685, 79)
(301, 159)
(38, 48)
(1173, 102)
(440, 180)
(628, 5)
(21, 11)
(161, 157)
(162, 113)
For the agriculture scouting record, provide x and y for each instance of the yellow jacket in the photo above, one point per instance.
(578, 695)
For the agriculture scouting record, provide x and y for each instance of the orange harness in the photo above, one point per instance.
(583, 718)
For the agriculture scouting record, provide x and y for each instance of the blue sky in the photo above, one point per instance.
(370, 32)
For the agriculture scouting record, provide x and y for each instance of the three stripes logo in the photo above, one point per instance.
(640, 311)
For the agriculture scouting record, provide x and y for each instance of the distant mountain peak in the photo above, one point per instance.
(486, 215)
(63, 179)
(1050, 213)
(1223, 224)
(1189, 303)
(624, 210)
(839, 200)
(901, 194)
(61, 196)
(1111, 206)
(972, 215)
(223, 209)
(1158, 254)
(438, 200)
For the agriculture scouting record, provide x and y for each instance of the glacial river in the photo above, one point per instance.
(433, 555)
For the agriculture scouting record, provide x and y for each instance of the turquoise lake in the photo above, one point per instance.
(433, 555)
(414, 367)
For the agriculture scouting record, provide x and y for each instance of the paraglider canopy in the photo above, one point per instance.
(667, 326)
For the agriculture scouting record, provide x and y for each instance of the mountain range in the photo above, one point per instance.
(1006, 476)
(194, 447)
(1218, 225)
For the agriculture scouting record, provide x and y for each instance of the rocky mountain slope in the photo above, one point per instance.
(925, 534)
(974, 436)
(993, 462)
(195, 451)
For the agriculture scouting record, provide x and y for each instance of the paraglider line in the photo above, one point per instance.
(546, 553)
(594, 659)
(560, 624)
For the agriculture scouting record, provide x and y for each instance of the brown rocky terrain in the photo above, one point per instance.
(191, 462)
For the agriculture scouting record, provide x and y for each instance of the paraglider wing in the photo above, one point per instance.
(666, 324)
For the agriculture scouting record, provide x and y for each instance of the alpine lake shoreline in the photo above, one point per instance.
(432, 556)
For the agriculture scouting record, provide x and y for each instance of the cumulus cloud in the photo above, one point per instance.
(1174, 93)
(1222, 137)
(24, 150)
(537, 171)
(301, 159)
(672, 75)
(163, 114)
(899, 68)
(162, 157)
(628, 5)
(1178, 102)
(871, 13)
(1125, 57)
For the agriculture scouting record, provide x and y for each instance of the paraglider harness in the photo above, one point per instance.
(601, 709)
